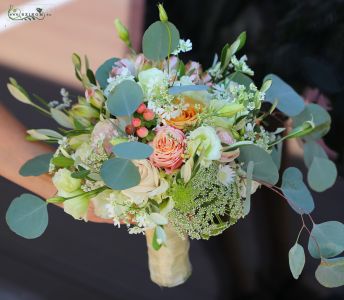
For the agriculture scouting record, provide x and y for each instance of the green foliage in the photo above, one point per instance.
(37, 165)
(205, 207)
(228, 51)
(160, 40)
(289, 102)
(330, 272)
(328, 238)
(296, 260)
(80, 174)
(27, 216)
(132, 150)
(125, 98)
(120, 174)
(103, 72)
(62, 161)
(320, 118)
(312, 149)
(264, 167)
(322, 174)
(298, 195)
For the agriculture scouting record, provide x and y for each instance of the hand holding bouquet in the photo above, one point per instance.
(174, 151)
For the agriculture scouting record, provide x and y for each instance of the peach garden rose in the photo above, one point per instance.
(169, 146)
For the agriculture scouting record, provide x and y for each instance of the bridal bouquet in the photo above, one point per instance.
(174, 151)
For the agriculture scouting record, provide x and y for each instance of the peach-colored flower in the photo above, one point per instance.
(169, 146)
(188, 117)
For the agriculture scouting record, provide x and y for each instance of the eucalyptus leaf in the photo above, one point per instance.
(241, 79)
(311, 150)
(330, 272)
(264, 168)
(125, 98)
(37, 165)
(298, 195)
(329, 238)
(296, 260)
(132, 150)
(159, 40)
(276, 154)
(27, 216)
(103, 72)
(322, 174)
(186, 88)
(289, 102)
(320, 118)
(120, 174)
(247, 201)
(61, 118)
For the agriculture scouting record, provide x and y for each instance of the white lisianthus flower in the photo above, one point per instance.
(77, 207)
(152, 79)
(226, 175)
(65, 183)
(151, 185)
(204, 142)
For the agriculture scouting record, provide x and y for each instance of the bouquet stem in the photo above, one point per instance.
(170, 265)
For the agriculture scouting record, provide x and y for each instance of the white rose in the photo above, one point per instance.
(204, 142)
(65, 183)
(151, 184)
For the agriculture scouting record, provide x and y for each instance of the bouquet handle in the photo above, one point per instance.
(170, 265)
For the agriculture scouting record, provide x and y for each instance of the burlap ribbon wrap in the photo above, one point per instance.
(170, 266)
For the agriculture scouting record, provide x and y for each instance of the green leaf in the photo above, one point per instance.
(264, 168)
(132, 150)
(90, 76)
(298, 195)
(322, 174)
(289, 102)
(157, 42)
(276, 154)
(296, 260)
(62, 161)
(37, 165)
(242, 40)
(120, 174)
(312, 149)
(320, 118)
(247, 201)
(125, 98)
(185, 88)
(19, 93)
(27, 216)
(61, 118)
(80, 174)
(103, 72)
(241, 79)
(330, 239)
(330, 272)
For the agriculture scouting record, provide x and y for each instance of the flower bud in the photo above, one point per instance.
(85, 111)
(148, 115)
(162, 13)
(141, 108)
(229, 110)
(97, 99)
(136, 122)
(122, 32)
(142, 132)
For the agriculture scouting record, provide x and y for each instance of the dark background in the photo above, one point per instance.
(301, 41)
